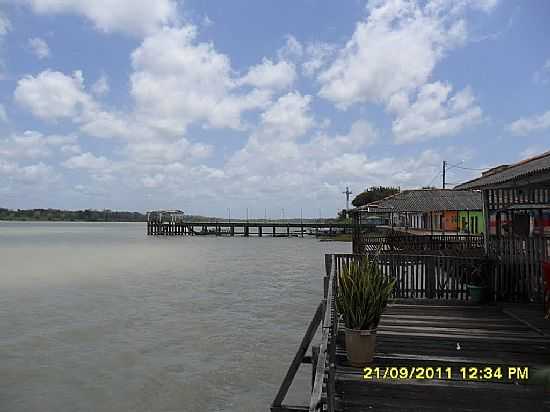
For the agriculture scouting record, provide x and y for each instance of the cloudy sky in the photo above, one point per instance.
(206, 105)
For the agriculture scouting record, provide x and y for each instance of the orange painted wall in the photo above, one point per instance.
(450, 221)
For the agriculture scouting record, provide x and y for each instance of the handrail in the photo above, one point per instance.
(298, 358)
(325, 354)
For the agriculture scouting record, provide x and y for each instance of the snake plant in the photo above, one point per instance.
(362, 293)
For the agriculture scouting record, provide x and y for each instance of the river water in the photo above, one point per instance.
(100, 317)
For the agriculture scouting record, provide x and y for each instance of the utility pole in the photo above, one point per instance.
(444, 169)
(347, 193)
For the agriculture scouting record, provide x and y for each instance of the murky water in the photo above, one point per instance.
(100, 317)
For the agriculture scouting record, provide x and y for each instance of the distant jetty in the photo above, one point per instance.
(173, 223)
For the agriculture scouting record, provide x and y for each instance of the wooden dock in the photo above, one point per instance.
(462, 345)
(275, 229)
(452, 339)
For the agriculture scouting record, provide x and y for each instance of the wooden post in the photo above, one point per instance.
(288, 231)
(430, 277)
(486, 217)
(273, 231)
(259, 231)
(232, 231)
(246, 230)
(328, 269)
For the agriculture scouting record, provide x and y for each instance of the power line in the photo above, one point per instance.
(472, 168)
(435, 177)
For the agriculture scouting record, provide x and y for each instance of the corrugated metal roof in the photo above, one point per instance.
(430, 200)
(533, 166)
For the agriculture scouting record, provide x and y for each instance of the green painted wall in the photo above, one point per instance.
(475, 217)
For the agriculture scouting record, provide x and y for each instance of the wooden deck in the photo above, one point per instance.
(441, 334)
(446, 336)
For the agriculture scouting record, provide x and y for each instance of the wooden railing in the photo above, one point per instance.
(417, 276)
(399, 242)
(426, 276)
(518, 273)
(323, 357)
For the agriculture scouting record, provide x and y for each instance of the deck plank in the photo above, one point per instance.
(427, 335)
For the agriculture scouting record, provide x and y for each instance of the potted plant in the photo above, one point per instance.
(361, 296)
(477, 284)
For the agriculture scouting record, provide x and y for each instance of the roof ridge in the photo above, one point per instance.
(501, 175)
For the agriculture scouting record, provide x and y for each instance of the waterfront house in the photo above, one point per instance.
(516, 200)
(517, 197)
(440, 210)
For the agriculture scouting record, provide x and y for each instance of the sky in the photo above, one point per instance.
(207, 106)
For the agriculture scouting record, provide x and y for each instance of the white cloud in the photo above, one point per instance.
(291, 50)
(34, 145)
(5, 27)
(101, 86)
(361, 135)
(530, 124)
(390, 60)
(5, 24)
(285, 154)
(177, 81)
(52, 95)
(158, 152)
(207, 22)
(316, 56)
(394, 51)
(39, 47)
(137, 17)
(289, 117)
(542, 76)
(88, 161)
(3, 114)
(269, 75)
(435, 113)
(39, 174)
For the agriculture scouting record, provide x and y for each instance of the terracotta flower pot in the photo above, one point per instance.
(360, 346)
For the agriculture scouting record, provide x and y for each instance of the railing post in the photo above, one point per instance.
(328, 270)
(430, 277)
(314, 358)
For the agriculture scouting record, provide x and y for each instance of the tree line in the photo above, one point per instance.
(87, 215)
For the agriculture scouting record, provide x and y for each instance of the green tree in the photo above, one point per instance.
(373, 194)
(342, 215)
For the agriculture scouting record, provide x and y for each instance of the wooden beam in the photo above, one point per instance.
(302, 349)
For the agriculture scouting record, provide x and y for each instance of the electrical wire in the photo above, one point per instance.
(433, 178)
(472, 168)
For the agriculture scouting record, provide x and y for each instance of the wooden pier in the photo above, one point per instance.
(443, 334)
(275, 229)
